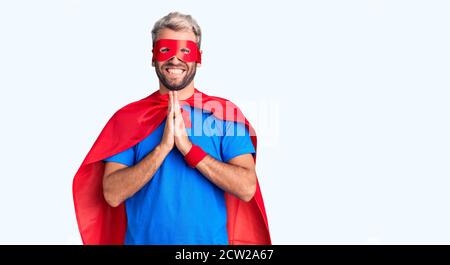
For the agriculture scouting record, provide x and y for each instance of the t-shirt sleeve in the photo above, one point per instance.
(125, 157)
(236, 141)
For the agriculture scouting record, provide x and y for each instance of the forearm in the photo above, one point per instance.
(123, 183)
(239, 181)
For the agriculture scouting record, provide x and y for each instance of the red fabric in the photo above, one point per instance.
(165, 49)
(194, 156)
(99, 223)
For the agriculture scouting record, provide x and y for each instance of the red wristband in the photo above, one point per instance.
(194, 156)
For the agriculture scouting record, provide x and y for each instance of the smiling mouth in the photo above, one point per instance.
(174, 71)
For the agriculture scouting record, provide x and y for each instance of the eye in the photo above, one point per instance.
(185, 50)
(164, 49)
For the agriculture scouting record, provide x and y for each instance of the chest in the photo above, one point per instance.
(206, 131)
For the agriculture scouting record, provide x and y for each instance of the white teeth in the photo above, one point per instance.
(175, 71)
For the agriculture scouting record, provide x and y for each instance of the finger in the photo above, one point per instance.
(171, 114)
(174, 107)
(170, 101)
(176, 103)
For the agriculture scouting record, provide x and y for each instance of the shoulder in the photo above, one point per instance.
(223, 108)
(131, 110)
(223, 101)
(208, 99)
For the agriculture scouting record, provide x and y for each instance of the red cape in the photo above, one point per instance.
(100, 223)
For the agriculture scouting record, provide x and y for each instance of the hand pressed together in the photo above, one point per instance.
(175, 130)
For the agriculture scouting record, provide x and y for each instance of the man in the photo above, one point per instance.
(178, 184)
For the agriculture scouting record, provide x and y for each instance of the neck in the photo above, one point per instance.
(184, 93)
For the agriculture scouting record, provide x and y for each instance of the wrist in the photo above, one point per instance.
(164, 148)
(194, 156)
(186, 148)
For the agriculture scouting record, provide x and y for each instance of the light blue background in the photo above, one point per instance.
(357, 150)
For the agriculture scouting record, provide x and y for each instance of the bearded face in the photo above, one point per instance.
(175, 74)
(176, 62)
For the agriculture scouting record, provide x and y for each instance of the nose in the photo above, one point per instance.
(175, 60)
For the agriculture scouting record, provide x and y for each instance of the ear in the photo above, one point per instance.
(153, 63)
(199, 64)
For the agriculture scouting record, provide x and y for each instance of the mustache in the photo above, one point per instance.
(175, 65)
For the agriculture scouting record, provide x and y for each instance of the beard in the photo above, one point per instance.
(174, 84)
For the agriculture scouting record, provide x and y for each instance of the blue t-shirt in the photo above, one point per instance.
(179, 205)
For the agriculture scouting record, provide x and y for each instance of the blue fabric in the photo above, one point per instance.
(179, 205)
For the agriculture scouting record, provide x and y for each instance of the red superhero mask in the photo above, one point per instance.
(184, 50)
